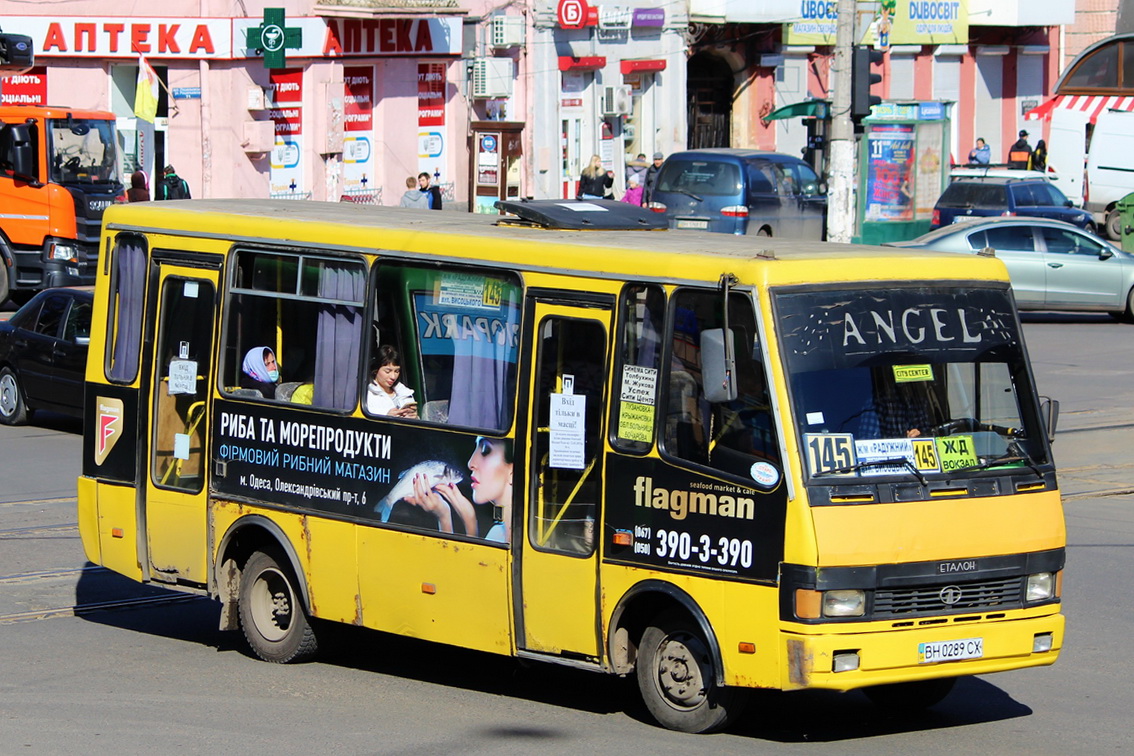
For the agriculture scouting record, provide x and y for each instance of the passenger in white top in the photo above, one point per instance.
(385, 395)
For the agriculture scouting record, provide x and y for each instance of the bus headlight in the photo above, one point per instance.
(844, 603)
(1041, 587)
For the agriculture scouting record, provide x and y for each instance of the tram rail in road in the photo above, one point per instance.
(77, 609)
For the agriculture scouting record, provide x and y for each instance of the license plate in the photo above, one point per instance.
(699, 224)
(953, 650)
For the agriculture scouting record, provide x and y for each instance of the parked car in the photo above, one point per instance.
(1001, 171)
(43, 355)
(735, 191)
(997, 195)
(1052, 265)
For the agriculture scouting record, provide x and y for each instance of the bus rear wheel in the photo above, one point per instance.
(911, 696)
(677, 678)
(272, 614)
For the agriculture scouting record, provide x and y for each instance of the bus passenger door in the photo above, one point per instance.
(180, 373)
(558, 602)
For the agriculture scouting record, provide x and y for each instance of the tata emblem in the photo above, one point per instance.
(950, 595)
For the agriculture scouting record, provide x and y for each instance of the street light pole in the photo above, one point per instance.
(841, 175)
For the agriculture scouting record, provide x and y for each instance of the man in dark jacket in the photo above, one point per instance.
(1020, 153)
(652, 178)
(432, 192)
(172, 186)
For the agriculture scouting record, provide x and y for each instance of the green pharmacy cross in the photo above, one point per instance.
(273, 38)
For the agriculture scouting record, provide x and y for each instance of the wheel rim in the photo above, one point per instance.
(680, 675)
(272, 605)
(9, 396)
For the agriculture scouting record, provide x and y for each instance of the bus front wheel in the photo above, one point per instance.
(272, 614)
(677, 678)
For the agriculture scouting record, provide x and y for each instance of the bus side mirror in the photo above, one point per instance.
(1049, 414)
(17, 151)
(718, 367)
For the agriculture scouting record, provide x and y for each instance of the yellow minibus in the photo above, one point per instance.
(712, 463)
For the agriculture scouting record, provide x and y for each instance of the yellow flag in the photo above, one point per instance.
(146, 96)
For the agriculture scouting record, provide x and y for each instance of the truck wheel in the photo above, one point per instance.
(13, 409)
(3, 281)
(910, 696)
(272, 614)
(677, 678)
(1114, 225)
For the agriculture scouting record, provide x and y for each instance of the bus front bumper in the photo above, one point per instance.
(853, 660)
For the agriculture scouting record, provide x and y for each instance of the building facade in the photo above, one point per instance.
(508, 99)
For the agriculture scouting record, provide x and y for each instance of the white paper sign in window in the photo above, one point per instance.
(183, 377)
(567, 427)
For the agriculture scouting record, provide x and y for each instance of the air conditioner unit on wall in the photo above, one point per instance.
(492, 77)
(507, 31)
(616, 101)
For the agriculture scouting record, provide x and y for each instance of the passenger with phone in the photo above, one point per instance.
(386, 394)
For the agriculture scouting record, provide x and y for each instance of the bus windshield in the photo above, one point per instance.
(83, 151)
(910, 382)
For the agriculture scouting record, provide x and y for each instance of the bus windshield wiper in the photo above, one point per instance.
(1006, 459)
(903, 461)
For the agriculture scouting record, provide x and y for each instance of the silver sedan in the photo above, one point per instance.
(1053, 265)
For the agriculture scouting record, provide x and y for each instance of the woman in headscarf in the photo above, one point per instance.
(260, 371)
(138, 191)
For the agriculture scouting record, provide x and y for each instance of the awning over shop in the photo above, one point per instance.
(805, 109)
(588, 63)
(632, 66)
(1092, 105)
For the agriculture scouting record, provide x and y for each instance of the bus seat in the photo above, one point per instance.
(303, 394)
(247, 393)
(436, 411)
(284, 391)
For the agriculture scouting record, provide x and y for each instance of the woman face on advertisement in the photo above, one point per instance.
(491, 472)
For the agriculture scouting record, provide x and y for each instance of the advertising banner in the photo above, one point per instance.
(286, 111)
(885, 23)
(889, 173)
(28, 88)
(431, 84)
(358, 129)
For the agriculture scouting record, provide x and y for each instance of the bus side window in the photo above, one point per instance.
(727, 436)
(127, 298)
(634, 414)
(457, 330)
(309, 311)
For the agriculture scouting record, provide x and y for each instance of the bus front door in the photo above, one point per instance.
(180, 377)
(558, 603)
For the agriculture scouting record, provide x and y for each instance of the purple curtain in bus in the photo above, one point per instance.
(130, 262)
(480, 382)
(338, 337)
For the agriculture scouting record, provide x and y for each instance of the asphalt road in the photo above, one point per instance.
(89, 663)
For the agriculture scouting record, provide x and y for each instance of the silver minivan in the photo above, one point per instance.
(738, 191)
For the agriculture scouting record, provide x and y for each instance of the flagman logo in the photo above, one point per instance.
(109, 417)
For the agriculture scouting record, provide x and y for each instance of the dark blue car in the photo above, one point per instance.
(739, 191)
(983, 197)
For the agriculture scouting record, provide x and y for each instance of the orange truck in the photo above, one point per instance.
(59, 170)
